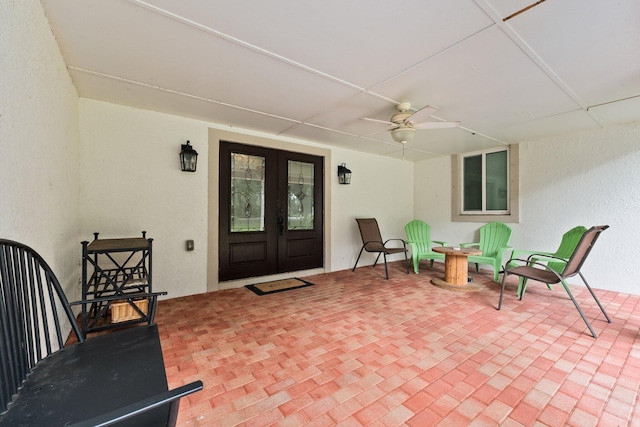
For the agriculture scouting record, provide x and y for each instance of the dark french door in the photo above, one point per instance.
(271, 211)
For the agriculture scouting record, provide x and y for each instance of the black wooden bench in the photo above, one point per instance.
(114, 379)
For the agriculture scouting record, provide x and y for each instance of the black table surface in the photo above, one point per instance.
(85, 380)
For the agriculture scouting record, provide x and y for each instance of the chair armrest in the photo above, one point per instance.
(545, 258)
(404, 243)
(519, 253)
(466, 245)
(141, 406)
(530, 263)
(440, 242)
(532, 255)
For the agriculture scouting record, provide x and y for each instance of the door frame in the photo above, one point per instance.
(215, 136)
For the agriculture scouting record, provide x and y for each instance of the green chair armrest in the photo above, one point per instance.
(519, 253)
(533, 258)
(440, 242)
(466, 245)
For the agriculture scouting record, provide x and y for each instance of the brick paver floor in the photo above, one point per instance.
(358, 350)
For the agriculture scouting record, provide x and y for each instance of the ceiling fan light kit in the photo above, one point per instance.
(403, 134)
(403, 124)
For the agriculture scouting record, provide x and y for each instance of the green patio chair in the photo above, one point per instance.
(494, 238)
(568, 244)
(419, 239)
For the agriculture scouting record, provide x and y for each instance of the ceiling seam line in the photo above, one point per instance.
(244, 44)
(212, 101)
(474, 133)
(371, 89)
(208, 30)
(360, 137)
(510, 32)
(175, 92)
(613, 101)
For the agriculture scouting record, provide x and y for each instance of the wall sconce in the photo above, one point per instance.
(344, 174)
(188, 158)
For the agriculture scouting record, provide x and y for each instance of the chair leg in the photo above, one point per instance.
(566, 288)
(386, 271)
(595, 298)
(522, 286)
(358, 259)
(152, 309)
(416, 263)
(431, 264)
(406, 262)
(378, 257)
(504, 279)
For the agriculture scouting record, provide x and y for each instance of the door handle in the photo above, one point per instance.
(281, 224)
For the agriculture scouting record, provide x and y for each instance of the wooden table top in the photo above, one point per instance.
(450, 250)
(115, 245)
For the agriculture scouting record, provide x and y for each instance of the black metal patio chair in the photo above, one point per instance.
(535, 267)
(372, 242)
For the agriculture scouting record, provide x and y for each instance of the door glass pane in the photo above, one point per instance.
(300, 197)
(496, 181)
(247, 192)
(472, 170)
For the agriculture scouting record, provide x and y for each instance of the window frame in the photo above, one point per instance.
(513, 212)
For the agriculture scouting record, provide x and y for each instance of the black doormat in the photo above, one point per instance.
(278, 286)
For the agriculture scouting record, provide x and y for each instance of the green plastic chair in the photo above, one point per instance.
(568, 244)
(494, 238)
(419, 239)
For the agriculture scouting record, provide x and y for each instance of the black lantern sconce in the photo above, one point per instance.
(344, 174)
(188, 158)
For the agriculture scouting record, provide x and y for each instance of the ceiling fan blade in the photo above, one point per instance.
(435, 125)
(386, 122)
(422, 114)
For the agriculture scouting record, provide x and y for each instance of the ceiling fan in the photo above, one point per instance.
(404, 123)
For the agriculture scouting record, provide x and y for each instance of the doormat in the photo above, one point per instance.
(278, 286)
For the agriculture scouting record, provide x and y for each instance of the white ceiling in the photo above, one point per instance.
(313, 69)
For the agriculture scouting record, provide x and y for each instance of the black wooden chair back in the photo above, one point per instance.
(31, 302)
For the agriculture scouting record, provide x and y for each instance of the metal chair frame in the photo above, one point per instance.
(372, 242)
(548, 275)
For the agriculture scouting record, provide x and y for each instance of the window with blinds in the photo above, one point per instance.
(485, 182)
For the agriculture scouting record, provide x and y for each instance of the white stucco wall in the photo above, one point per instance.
(380, 188)
(588, 178)
(38, 141)
(130, 181)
